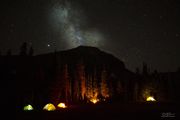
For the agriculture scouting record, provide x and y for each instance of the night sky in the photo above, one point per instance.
(135, 31)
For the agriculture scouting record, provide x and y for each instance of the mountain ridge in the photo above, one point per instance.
(90, 55)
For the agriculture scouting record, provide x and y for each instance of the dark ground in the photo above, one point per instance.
(150, 111)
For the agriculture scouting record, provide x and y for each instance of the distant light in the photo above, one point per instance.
(94, 100)
(28, 108)
(49, 107)
(48, 45)
(150, 98)
(62, 105)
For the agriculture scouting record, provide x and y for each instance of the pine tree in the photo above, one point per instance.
(23, 49)
(76, 88)
(89, 89)
(9, 52)
(82, 80)
(104, 86)
(67, 83)
(95, 86)
(31, 51)
(62, 87)
(119, 88)
(57, 87)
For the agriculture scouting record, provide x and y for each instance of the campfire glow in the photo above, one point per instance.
(94, 100)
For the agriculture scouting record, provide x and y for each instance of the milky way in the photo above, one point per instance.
(134, 31)
(68, 20)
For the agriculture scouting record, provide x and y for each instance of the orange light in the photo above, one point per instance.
(62, 105)
(94, 100)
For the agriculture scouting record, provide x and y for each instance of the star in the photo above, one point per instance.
(48, 45)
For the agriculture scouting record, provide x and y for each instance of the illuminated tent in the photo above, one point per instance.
(28, 108)
(62, 105)
(49, 107)
(150, 98)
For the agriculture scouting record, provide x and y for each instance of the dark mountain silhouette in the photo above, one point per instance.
(90, 56)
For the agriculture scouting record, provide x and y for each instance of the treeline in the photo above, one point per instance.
(24, 50)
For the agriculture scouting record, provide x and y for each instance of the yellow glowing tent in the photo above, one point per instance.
(49, 107)
(150, 98)
(62, 105)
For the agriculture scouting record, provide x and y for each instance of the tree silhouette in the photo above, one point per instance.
(178, 70)
(95, 84)
(23, 49)
(76, 89)
(83, 80)
(104, 86)
(9, 52)
(145, 69)
(137, 71)
(67, 83)
(31, 51)
(89, 88)
(80, 81)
